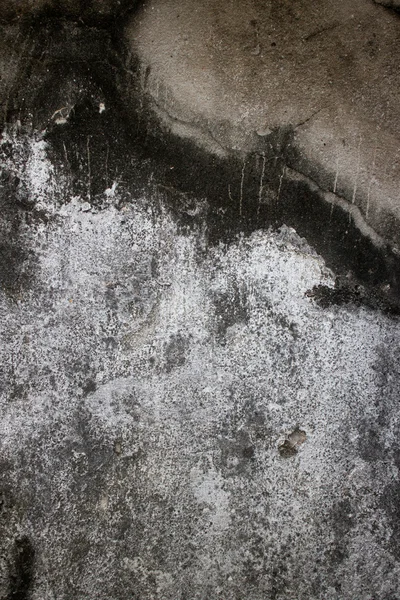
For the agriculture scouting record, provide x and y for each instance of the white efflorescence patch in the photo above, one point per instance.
(39, 173)
(36, 174)
(157, 383)
(208, 489)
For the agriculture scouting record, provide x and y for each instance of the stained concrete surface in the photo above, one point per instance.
(199, 380)
(228, 74)
(90, 12)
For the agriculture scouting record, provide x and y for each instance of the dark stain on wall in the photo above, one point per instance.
(231, 308)
(22, 569)
(17, 260)
(81, 68)
(365, 273)
(342, 523)
(390, 501)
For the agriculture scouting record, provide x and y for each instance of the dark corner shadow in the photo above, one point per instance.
(21, 570)
(389, 5)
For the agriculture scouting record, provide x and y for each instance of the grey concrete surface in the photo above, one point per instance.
(199, 357)
(151, 394)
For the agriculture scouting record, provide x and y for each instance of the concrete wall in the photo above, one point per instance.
(199, 298)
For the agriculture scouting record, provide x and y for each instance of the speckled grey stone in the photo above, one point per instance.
(148, 387)
(199, 357)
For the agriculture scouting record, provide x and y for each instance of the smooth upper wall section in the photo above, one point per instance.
(226, 74)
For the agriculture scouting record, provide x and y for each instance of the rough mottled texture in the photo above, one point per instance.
(181, 420)
(199, 358)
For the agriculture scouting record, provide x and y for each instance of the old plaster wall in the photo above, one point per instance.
(200, 367)
(228, 75)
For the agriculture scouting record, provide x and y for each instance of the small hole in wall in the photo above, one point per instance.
(292, 443)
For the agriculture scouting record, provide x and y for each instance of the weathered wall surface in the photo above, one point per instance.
(228, 75)
(200, 365)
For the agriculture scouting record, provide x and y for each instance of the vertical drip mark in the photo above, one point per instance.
(241, 189)
(166, 93)
(336, 176)
(89, 168)
(107, 155)
(357, 171)
(65, 154)
(229, 193)
(261, 189)
(281, 176)
(371, 182)
(353, 199)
